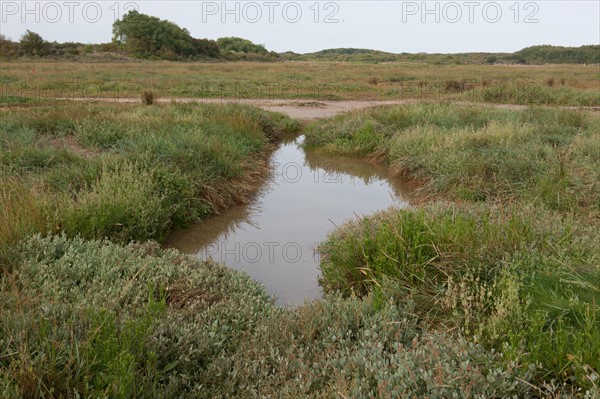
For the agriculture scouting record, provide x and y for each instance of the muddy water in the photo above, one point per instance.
(274, 238)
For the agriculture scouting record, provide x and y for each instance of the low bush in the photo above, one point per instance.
(93, 319)
(148, 97)
(352, 348)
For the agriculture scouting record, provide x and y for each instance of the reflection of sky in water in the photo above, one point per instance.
(273, 239)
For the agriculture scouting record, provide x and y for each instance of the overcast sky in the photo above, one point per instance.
(306, 26)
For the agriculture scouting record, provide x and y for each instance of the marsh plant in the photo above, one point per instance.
(148, 97)
(513, 262)
(487, 287)
(129, 172)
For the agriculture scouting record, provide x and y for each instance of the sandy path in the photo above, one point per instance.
(310, 110)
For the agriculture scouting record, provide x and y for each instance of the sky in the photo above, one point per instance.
(307, 26)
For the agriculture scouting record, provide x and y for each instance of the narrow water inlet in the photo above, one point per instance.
(274, 239)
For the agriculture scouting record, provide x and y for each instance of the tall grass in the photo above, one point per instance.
(22, 214)
(515, 265)
(135, 172)
(548, 157)
(516, 279)
(536, 94)
(124, 202)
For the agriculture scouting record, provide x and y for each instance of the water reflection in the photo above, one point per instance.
(274, 238)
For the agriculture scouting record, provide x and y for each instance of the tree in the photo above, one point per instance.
(145, 36)
(8, 48)
(33, 44)
(206, 47)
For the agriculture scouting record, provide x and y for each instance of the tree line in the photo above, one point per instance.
(143, 36)
(559, 55)
(140, 36)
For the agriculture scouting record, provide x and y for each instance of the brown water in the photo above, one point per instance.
(274, 238)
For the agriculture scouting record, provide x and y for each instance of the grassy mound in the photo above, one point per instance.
(547, 157)
(128, 172)
(95, 319)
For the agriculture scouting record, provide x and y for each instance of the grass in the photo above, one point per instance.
(85, 317)
(579, 84)
(518, 280)
(513, 263)
(128, 173)
(493, 293)
(23, 214)
(470, 153)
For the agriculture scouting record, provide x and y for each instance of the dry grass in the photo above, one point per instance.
(333, 80)
(22, 214)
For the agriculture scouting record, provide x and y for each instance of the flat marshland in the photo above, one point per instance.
(489, 286)
(576, 85)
